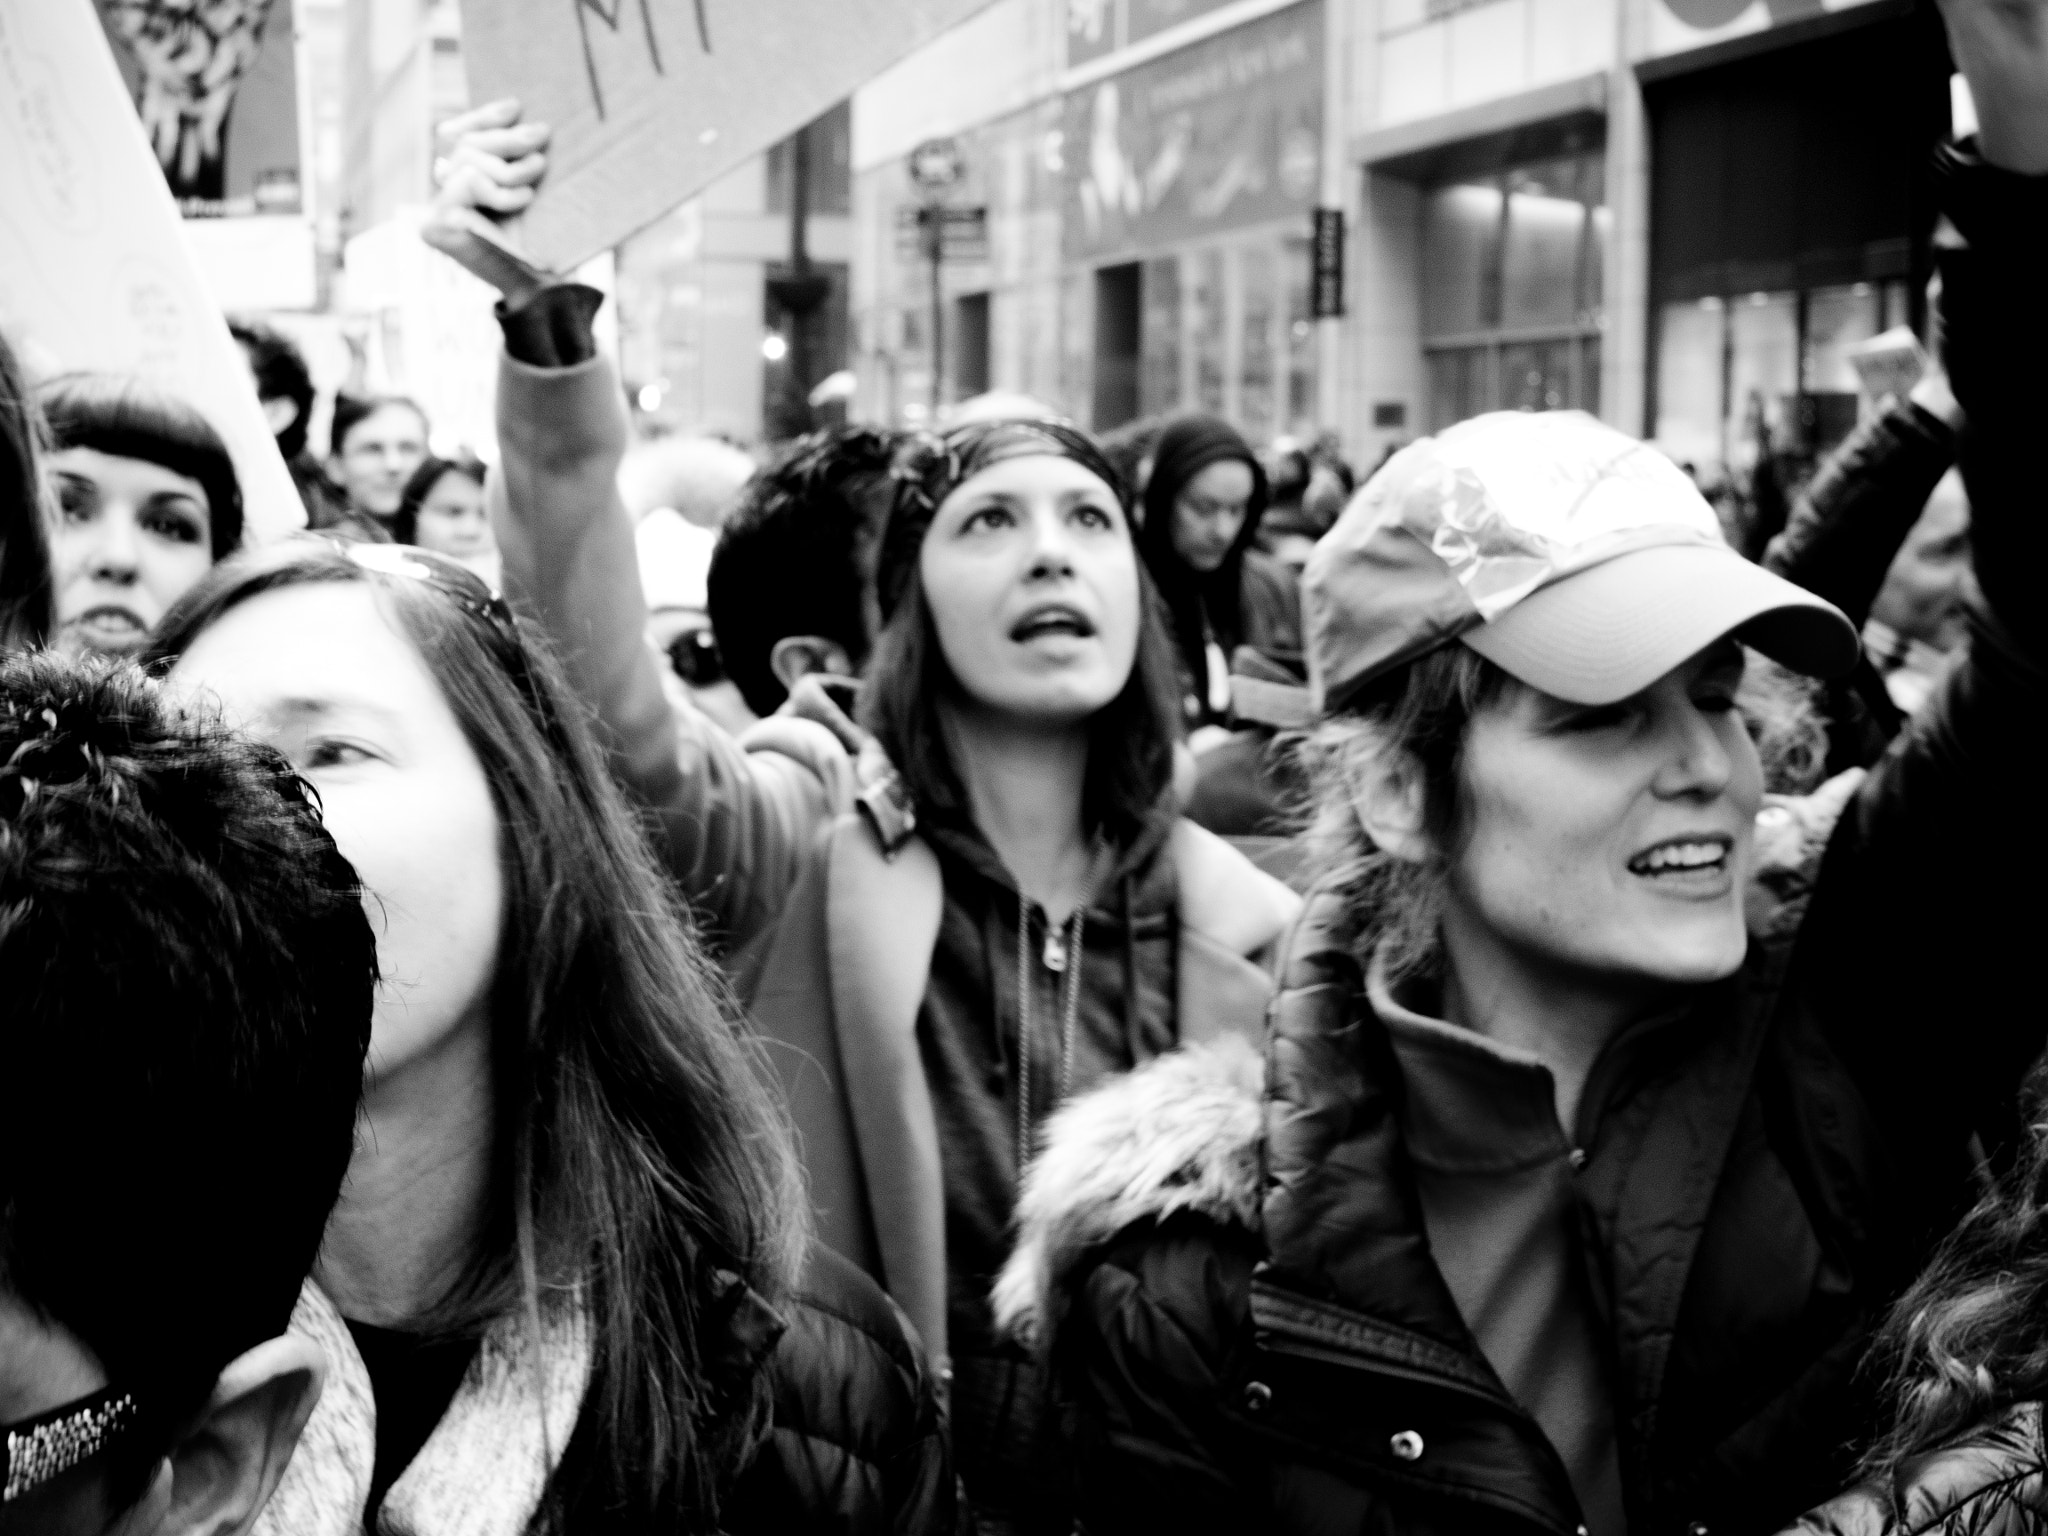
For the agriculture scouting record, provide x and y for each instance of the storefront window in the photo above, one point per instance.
(1511, 288)
(1206, 340)
(1159, 378)
(1745, 372)
(1301, 341)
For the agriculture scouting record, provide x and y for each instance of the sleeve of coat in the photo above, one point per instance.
(732, 825)
(1143, 1365)
(1919, 950)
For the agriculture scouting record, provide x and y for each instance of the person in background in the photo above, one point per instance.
(375, 442)
(188, 970)
(284, 388)
(1129, 447)
(147, 501)
(25, 600)
(568, 1285)
(442, 509)
(675, 557)
(1608, 1100)
(790, 587)
(1284, 534)
(1203, 505)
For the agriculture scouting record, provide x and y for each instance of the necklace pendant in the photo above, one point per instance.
(1055, 956)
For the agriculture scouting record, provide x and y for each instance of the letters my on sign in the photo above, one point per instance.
(651, 100)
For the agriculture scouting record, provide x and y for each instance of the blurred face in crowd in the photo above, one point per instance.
(378, 456)
(1611, 843)
(451, 519)
(1210, 511)
(1032, 581)
(131, 537)
(320, 673)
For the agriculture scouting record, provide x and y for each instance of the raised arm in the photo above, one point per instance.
(1919, 947)
(734, 825)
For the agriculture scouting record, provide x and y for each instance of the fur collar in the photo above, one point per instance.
(1184, 1131)
(483, 1470)
(1180, 1133)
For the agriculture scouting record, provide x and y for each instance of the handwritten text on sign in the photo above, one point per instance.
(651, 100)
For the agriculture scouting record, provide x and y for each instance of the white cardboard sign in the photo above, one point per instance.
(651, 100)
(95, 272)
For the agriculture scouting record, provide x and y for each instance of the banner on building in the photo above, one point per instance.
(95, 272)
(651, 100)
(1326, 277)
(1677, 25)
(1223, 133)
(1098, 28)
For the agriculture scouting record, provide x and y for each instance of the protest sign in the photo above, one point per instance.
(651, 100)
(94, 269)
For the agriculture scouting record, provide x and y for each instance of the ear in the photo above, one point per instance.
(1388, 797)
(225, 1468)
(280, 411)
(797, 656)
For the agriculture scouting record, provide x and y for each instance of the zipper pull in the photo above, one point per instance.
(1055, 956)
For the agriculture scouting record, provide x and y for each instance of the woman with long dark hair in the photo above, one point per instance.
(993, 907)
(566, 1287)
(25, 606)
(442, 509)
(1203, 501)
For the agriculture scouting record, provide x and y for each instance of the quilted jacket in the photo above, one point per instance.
(1994, 1483)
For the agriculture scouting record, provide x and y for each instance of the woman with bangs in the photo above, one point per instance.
(568, 1286)
(948, 919)
(1609, 1097)
(147, 501)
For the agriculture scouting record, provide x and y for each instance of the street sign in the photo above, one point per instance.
(962, 233)
(937, 165)
(1326, 291)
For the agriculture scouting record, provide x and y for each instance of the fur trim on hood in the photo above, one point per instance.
(1180, 1133)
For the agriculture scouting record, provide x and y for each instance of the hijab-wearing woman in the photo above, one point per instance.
(566, 1287)
(147, 501)
(24, 516)
(940, 954)
(1608, 1100)
(1203, 501)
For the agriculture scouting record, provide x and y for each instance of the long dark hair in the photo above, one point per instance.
(26, 594)
(1185, 447)
(642, 1162)
(1130, 739)
(122, 414)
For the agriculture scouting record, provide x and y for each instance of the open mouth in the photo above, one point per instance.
(109, 626)
(1684, 856)
(1052, 619)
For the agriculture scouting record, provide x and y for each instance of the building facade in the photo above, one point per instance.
(1680, 214)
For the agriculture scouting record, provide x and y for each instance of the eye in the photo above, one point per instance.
(174, 524)
(994, 515)
(75, 499)
(331, 752)
(1088, 515)
(1603, 717)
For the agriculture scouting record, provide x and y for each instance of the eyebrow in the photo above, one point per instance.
(300, 709)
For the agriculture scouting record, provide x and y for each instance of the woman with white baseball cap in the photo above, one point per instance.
(1607, 1098)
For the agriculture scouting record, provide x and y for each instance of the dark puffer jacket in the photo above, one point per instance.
(1995, 1483)
(857, 1447)
(1762, 1173)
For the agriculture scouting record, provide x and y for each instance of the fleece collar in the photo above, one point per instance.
(485, 1467)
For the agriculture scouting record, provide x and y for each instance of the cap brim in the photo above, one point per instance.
(1601, 634)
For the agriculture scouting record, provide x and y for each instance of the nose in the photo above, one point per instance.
(1697, 765)
(115, 556)
(1052, 550)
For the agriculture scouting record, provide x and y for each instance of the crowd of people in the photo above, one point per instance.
(994, 980)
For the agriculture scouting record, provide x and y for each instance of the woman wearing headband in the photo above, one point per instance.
(939, 952)
(568, 1284)
(1608, 1099)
